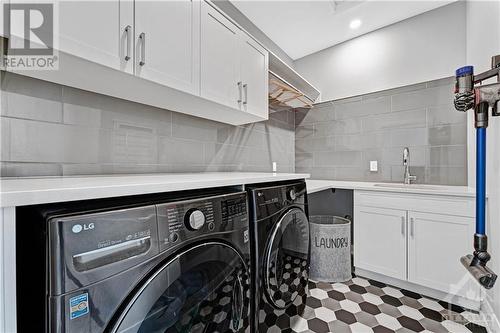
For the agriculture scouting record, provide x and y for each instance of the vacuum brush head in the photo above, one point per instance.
(485, 276)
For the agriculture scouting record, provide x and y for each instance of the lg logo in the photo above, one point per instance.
(77, 228)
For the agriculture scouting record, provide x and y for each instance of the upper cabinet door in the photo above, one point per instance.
(167, 43)
(435, 244)
(99, 31)
(220, 77)
(254, 75)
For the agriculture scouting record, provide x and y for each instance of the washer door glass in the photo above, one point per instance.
(287, 259)
(204, 289)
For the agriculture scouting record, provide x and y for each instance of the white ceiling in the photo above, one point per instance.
(303, 27)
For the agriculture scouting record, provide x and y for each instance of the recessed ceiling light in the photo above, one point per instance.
(355, 24)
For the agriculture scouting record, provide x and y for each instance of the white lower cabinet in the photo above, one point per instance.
(380, 238)
(435, 244)
(405, 237)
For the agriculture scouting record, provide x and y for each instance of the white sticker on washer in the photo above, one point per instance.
(245, 236)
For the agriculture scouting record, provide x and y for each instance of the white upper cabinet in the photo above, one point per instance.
(182, 55)
(98, 31)
(254, 77)
(220, 46)
(167, 43)
(234, 66)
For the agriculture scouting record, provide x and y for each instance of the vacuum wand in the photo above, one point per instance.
(480, 99)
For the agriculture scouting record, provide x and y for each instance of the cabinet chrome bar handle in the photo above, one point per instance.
(403, 225)
(240, 98)
(412, 230)
(142, 37)
(128, 30)
(245, 89)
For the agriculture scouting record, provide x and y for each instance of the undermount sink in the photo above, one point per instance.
(414, 186)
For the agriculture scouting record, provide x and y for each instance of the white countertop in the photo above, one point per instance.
(314, 185)
(31, 191)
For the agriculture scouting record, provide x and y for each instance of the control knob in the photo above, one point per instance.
(194, 219)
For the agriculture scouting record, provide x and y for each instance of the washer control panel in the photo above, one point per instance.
(184, 220)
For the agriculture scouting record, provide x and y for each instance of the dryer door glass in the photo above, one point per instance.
(203, 289)
(287, 259)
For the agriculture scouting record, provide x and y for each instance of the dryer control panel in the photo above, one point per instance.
(185, 220)
(270, 200)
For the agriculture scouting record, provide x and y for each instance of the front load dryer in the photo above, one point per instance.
(280, 245)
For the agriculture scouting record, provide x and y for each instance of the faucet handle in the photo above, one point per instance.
(412, 178)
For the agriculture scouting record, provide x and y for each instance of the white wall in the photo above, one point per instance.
(423, 48)
(483, 41)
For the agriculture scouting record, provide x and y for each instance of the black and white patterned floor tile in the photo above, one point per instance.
(362, 306)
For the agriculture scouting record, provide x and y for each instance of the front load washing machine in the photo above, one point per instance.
(151, 265)
(280, 246)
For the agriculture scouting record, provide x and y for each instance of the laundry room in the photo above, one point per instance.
(249, 166)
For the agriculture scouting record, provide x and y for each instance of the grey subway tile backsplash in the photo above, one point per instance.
(448, 135)
(35, 141)
(51, 130)
(434, 94)
(175, 151)
(447, 175)
(304, 131)
(329, 128)
(18, 169)
(193, 128)
(324, 112)
(444, 156)
(363, 107)
(337, 158)
(316, 144)
(420, 117)
(444, 115)
(405, 119)
(410, 136)
(25, 99)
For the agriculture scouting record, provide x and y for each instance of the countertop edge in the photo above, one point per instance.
(317, 185)
(68, 193)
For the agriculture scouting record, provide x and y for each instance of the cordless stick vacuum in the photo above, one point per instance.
(480, 98)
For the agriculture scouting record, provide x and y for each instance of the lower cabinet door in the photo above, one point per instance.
(380, 241)
(435, 244)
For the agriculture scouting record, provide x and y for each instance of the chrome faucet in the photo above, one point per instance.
(406, 163)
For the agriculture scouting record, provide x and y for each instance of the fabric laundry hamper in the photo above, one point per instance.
(330, 248)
